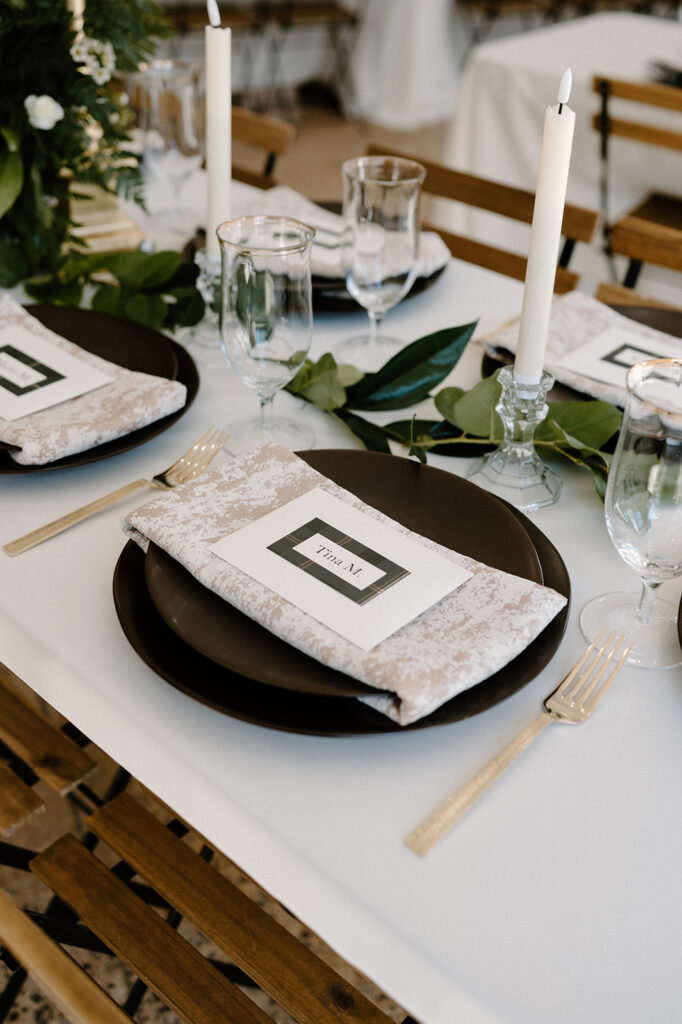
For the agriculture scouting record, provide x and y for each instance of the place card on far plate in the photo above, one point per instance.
(609, 355)
(36, 374)
(358, 576)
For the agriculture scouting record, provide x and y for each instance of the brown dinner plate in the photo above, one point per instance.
(330, 294)
(273, 707)
(433, 503)
(127, 344)
(679, 622)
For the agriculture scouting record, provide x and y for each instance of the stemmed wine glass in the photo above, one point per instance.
(172, 121)
(266, 319)
(379, 247)
(643, 509)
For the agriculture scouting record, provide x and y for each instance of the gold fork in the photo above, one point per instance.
(186, 468)
(571, 703)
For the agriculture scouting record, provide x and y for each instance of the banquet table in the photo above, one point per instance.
(556, 898)
(506, 84)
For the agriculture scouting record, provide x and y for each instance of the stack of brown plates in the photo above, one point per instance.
(128, 344)
(207, 649)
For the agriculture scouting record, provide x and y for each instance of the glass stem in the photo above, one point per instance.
(266, 403)
(646, 601)
(375, 322)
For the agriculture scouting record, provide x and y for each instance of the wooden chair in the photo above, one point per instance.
(32, 749)
(514, 203)
(619, 295)
(113, 909)
(656, 209)
(262, 136)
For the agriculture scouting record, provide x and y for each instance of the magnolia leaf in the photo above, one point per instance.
(54, 291)
(11, 179)
(410, 375)
(371, 434)
(13, 265)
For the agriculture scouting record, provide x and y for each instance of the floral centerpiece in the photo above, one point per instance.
(64, 119)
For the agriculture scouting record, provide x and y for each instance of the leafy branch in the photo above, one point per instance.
(580, 432)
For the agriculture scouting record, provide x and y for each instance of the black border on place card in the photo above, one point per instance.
(49, 374)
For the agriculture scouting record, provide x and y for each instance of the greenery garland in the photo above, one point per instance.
(581, 432)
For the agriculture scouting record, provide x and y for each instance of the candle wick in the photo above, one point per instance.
(561, 107)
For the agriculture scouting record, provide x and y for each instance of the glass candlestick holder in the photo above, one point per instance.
(515, 471)
(206, 334)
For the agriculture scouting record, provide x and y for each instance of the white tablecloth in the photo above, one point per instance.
(557, 898)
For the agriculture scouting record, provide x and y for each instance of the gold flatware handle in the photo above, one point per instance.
(29, 540)
(451, 810)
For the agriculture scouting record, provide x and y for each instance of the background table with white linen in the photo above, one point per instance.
(505, 87)
(555, 899)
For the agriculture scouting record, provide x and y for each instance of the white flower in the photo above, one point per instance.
(100, 75)
(43, 112)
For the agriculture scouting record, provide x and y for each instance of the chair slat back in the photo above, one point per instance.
(651, 94)
(647, 242)
(17, 800)
(270, 136)
(516, 204)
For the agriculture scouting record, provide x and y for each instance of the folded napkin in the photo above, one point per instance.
(130, 401)
(458, 642)
(575, 319)
(326, 262)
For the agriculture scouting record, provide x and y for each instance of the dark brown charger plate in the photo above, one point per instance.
(128, 344)
(438, 505)
(679, 622)
(669, 321)
(330, 294)
(272, 707)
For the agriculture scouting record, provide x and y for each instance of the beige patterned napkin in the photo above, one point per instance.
(132, 400)
(458, 642)
(576, 318)
(326, 255)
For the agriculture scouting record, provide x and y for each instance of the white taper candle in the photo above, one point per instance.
(218, 126)
(77, 8)
(543, 251)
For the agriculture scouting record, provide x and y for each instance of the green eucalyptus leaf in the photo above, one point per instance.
(141, 269)
(591, 423)
(410, 375)
(187, 309)
(109, 299)
(474, 412)
(371, 434)
(446, 400)
(53, 291)
(11, 179)
(321, 382)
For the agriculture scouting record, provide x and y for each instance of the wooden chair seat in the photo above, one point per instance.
(619, 295)
(32, 748)
(651, 232)
(507, 201)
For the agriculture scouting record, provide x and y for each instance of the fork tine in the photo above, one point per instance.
(597, 696)
(599, 667)
(564, 689)
(195, 447)
(206, 454)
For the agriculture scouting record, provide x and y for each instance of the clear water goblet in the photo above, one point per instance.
(643, 510)
(266, 319)
(379, 247)
(172, 119)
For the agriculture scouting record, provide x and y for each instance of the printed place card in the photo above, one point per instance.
(36, 374)
(358, 576)
(609, 355)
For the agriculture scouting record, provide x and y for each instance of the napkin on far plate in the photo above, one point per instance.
(458, 642)
(326, 256)
(132, 400)
(577, 318)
